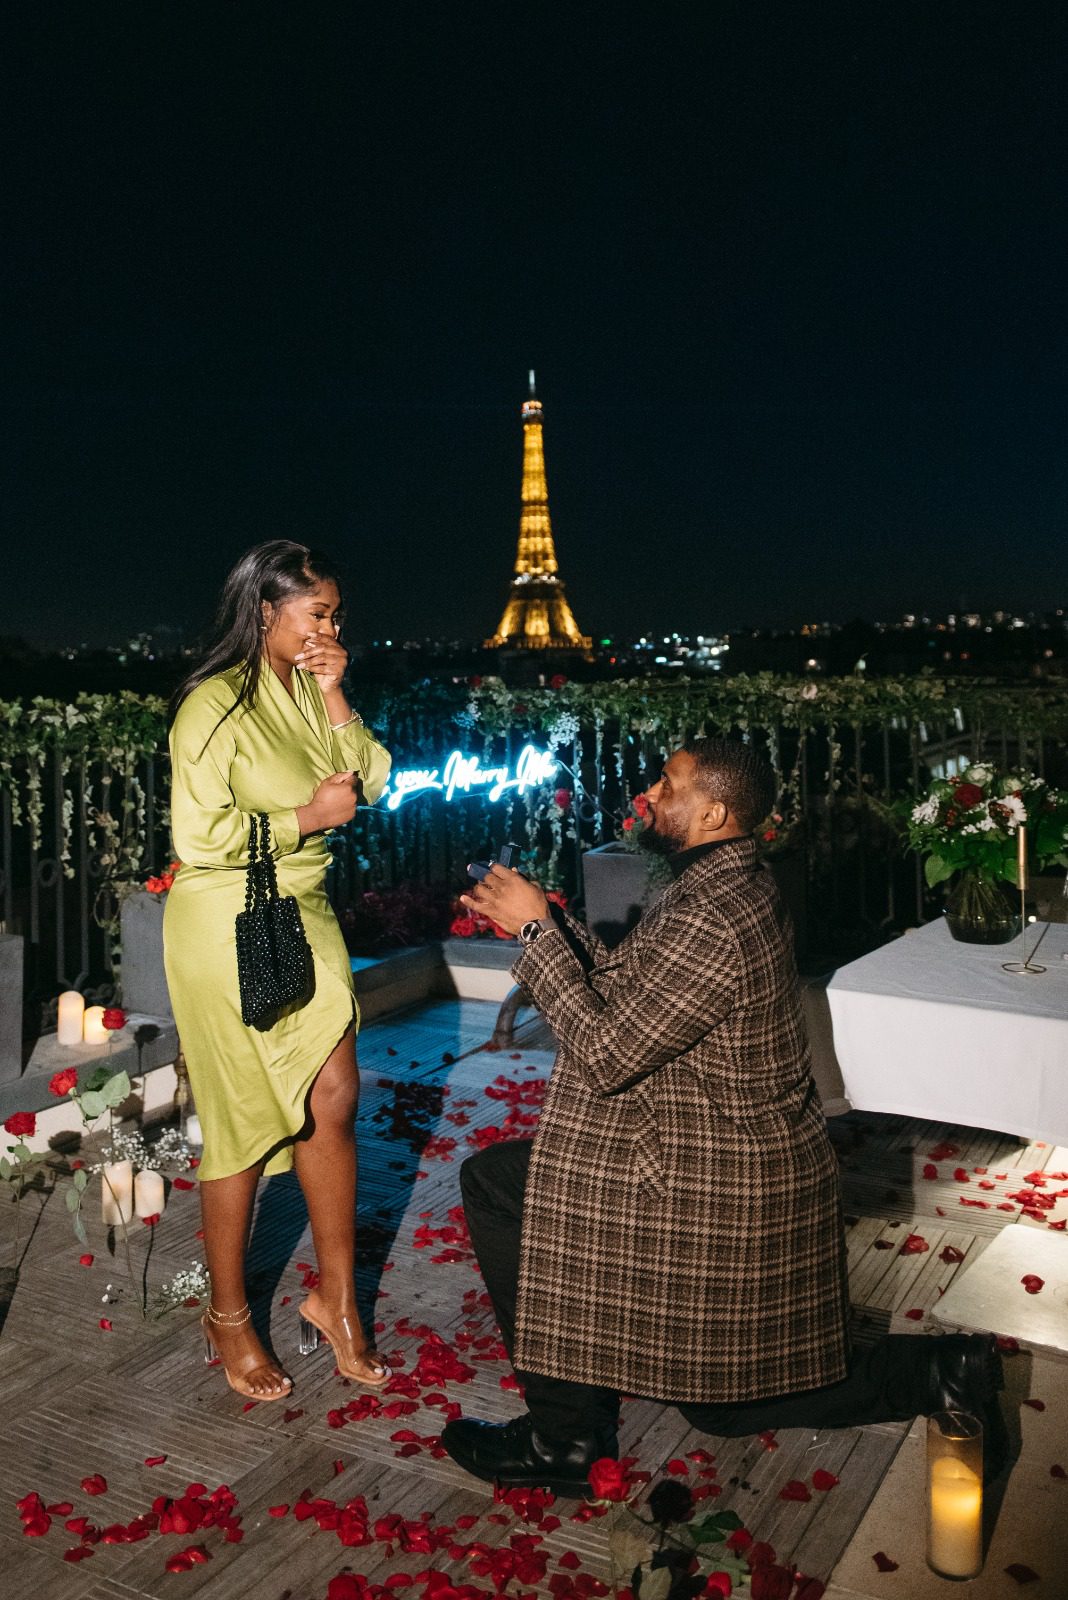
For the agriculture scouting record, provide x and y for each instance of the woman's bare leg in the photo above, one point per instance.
(226, 1208)
(325, 1157)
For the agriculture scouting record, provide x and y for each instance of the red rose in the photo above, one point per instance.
(628, 823)
(166, 879)
(771, 1582)
(474, 682)
(611, 1480)
(563, 798)
(641, 804)
(63, 1082)
(968, 795)
(769, 835)
(718, 1586)
(462, 927)
(155, 885)
(557, 681)
(21, 1124)
(555, 897)
(113, 1019)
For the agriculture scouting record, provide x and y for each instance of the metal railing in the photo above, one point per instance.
(77, 829)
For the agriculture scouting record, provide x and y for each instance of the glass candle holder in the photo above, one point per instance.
(954, 1494)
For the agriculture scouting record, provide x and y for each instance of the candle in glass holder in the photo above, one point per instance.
(93, 1030)
(117, 1193)
(71, 1012)
(1021, 856)
(954, 1494)
(148, 1194)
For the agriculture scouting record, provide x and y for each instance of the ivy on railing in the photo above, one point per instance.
(107, 736)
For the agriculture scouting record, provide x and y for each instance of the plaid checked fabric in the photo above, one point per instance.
(682, 1231)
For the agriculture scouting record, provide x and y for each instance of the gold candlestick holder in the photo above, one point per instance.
(1027, 968)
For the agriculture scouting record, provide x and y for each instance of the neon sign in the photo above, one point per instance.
(463, 776)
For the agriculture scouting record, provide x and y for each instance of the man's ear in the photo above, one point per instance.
(714, 817)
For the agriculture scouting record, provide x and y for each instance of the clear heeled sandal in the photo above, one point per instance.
(360, 1366)
(237, 1381)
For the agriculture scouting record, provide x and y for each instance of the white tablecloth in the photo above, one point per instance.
(929, 1027)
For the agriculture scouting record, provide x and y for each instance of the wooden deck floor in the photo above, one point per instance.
(79, 1400)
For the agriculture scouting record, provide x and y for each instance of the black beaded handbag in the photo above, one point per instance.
(274, 959)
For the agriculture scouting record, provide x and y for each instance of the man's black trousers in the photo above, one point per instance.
(887, 1382)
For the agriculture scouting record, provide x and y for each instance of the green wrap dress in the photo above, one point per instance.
(251, 1087)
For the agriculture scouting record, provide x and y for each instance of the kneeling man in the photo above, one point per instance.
(674, 1230)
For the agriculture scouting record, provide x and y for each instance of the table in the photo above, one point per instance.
(928, 1027)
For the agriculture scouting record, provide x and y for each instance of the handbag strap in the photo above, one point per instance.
(252, 876)
(267, 873)
(261, 884)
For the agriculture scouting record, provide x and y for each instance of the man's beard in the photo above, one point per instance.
(656, 842)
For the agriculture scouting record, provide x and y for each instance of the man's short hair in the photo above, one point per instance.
(734, 773)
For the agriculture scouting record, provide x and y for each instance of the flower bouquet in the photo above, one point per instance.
(968, 828)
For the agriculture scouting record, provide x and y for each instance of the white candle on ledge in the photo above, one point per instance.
(192, 1130)
(93, 1029)
(148, 1194)
(69, 1021)
(117, 1193)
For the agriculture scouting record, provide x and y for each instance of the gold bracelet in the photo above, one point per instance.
(336, 727)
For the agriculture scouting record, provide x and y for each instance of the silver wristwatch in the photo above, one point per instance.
(534, 929)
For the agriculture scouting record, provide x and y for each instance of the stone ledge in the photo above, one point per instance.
(30, 1092)
(468, 969)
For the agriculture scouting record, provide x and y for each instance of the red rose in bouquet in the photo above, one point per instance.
(968, 795)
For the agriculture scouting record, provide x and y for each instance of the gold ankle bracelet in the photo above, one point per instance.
(229, 1319)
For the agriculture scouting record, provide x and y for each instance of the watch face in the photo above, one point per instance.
(529, 932)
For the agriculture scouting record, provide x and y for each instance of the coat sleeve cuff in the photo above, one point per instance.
(285, 833)
(542, 964)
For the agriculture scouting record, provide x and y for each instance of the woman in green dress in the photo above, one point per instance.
(263, 725)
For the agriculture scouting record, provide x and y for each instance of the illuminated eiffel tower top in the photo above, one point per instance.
(537, 615)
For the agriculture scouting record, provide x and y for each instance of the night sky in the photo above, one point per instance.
(792, 277)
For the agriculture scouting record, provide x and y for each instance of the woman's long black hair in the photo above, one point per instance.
(275, 572)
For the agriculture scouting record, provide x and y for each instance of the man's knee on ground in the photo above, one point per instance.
(495, 1177)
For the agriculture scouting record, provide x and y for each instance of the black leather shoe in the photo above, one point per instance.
(514, 1455)
(965, 1374)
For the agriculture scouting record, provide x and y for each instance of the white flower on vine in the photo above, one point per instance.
(926, 811)
(563, 731)
(1016, 809)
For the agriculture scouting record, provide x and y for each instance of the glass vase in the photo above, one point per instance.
(954, 1494)
(979, 910)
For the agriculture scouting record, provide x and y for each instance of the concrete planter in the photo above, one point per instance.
(144, 985)
(619, 887)
(10, 1007)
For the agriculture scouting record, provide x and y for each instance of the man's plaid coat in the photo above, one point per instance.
(682, 1230)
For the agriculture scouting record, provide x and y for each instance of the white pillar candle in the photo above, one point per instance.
(117, 1193)
(192, 1130)
(148, 1194)
(955, 1527)
(71, 1011)
(93, 1029)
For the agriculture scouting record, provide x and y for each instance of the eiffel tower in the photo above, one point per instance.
(537, 615)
